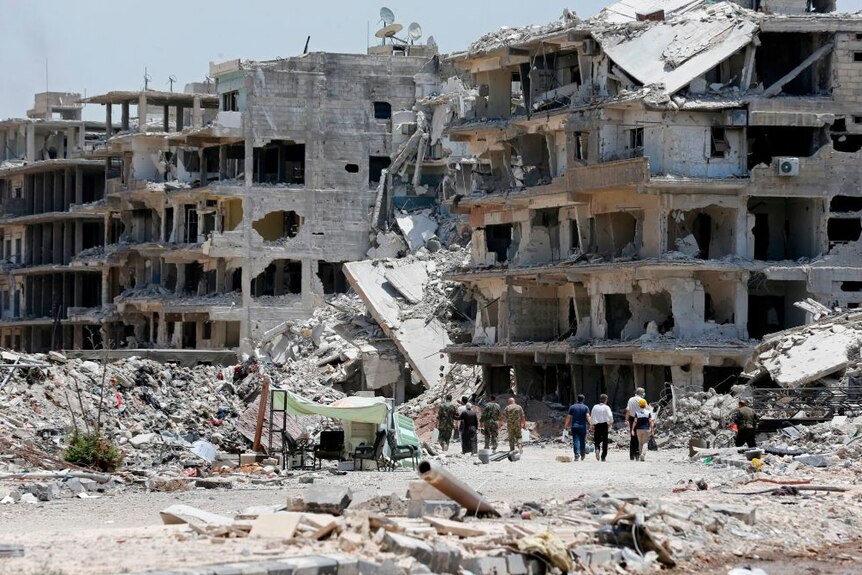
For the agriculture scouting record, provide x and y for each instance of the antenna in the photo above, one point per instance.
(147, 79)
(307, 40)
(387, 16)
(171, 80)
(414, 31)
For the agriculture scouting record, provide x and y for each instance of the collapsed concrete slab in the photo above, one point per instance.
(419, 340)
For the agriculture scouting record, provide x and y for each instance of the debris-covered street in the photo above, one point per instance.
(578, 296)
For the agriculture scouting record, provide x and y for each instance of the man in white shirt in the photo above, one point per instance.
(631, 408)
(602, 418)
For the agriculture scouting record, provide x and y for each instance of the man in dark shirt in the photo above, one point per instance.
(469, 427)
(746, 424)
(578, 420)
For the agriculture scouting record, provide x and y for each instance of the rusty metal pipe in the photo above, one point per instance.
(455, 489)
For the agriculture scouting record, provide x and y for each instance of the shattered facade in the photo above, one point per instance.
(212, 215)
(653, 189)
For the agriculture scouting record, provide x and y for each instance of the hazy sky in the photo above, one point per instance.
(93, 46)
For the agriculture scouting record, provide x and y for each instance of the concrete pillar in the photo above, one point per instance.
(71, 144)
(162, 332)
(106, 287)
(79, 185)
(197, 113)
(142, 112)
(222, 162)
(78, 290)
(166, 119)
(180, 119)
(220, 273)
(124, 121)
(740, 306)
(279, 277)
(31, 143)
(77, 337)
(79, 236)
(109, 122)
(181, 278)
(249, 160)
(67, 189)
(203, 168)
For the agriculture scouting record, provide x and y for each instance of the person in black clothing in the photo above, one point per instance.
(469, 428)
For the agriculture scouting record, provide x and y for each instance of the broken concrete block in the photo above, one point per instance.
(142, 439)
(279, 525)
(445, 508)
(440, 558)
(179, 514)
(516, 565)
(593, 555)
(333, 500)
(744, 514)
(28, 498)
(416, 229)
(168, 484)
(814, 460)
(74, 485)
(213, 483)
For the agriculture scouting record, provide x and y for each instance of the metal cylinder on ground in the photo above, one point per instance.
(455, 489)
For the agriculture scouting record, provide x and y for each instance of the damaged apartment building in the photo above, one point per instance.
(51, 191)
(652, 190)
(232, 206)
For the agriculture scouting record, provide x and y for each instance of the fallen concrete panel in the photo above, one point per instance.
(409, 280)
(818, 355)
(667, 52)
(419, 340)
(417, 229)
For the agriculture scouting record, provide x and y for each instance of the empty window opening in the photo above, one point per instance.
(382, 110)
(770, 305)
(574, 236)
(190, 334)
(233, 280)
(843, 230)
(169, 224)
(230, 101)
(279, 278)
(207, 330)
(840, 204)
(280, 162)
(857, 56)
(857, 119)
(646, 308)
(780, 53)
(849, 143)
(498, 240)
(278, 225)
(851, 286)
(195, 283)
(616, 234)
(530, 160)
(580, 146)
(331, 275)
(544, 236)
(706, 233)
(231, 214)
(719, 146)
(785, 228)
(722, 379)
(376, 165)
(617, 314)
(636, 139)
(191, 224)
(351, 168)
(140, 226)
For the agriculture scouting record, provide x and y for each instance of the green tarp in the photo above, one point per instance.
(359, 409)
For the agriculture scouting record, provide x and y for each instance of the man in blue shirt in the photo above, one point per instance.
(578, 420)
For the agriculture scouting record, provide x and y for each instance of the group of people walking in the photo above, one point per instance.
(462, 421)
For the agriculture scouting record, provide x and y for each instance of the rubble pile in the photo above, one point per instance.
(837, 440)
(703, 414)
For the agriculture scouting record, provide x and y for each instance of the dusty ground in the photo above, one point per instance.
(123, 533)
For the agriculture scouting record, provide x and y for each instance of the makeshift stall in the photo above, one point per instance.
(361, 418)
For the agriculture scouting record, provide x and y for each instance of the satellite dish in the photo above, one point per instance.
(389, 31)
(387, 15)
(414, 31)
(431, 42)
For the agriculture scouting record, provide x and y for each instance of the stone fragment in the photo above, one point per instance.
(322, 499)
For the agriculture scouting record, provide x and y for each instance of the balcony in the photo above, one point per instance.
(619, 174)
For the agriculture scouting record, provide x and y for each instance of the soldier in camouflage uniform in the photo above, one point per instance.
(446, 422)
(491, 423)
(515, 421)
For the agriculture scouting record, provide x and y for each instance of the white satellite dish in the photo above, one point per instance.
(389, 31)
(387, 16)
(414, 31)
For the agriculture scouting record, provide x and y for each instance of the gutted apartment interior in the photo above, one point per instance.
(702, 194)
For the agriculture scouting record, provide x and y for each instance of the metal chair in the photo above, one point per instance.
(399, 452)
(291, 447)
(371, 452)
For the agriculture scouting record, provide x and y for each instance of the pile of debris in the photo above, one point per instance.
(702, 415)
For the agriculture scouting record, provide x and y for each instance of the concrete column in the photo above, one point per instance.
(71, 144)
(181, 278)
(249, 160)
(79, 236)
(279, 277)
(67, 189)
(740, 306)
(203, 167)
(142, 112)
(180, 120)
(79, 185)
(222, 162)
(106, 287)
(77, 337)
(78, 290)
(220, 273)
(197, 113)
(109, 122)
(741, 230)
(166, 120)
(162, 332)
(124, 121)
(31, 143)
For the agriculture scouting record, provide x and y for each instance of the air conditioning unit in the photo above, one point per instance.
(590, 47)
(788, 166)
